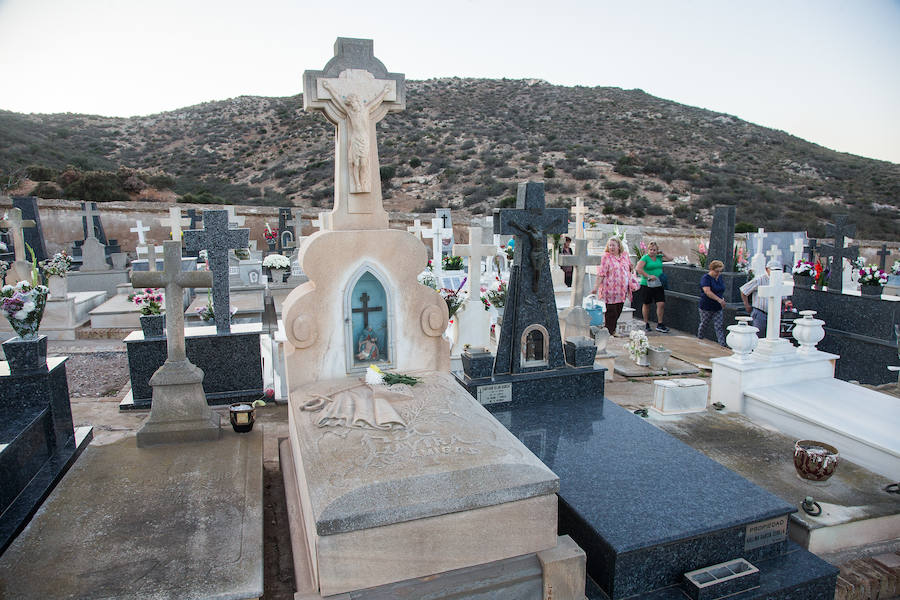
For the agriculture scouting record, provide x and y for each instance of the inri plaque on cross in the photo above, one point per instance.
(355, 91)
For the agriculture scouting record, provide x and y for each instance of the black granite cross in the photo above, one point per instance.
(194, 217)
(838, 230)
(366, 309)
(721, 237)
(882, 257)
(444, 219)
(530, 299)
(810, 249)
(217, 239)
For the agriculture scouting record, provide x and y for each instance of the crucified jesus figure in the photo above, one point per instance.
(359, 114)
(537, 252)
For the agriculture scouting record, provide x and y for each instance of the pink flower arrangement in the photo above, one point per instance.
(148, 301)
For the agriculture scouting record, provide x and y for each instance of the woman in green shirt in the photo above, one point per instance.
(650, 268)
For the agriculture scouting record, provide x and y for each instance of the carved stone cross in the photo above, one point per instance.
(15, 223)
(217, 239)
(773, 293)
(355, 91)
(839, 230)
(882, 257)
(437, 234)
(150, 251)
(774, 253)
(761, 235)
(579, 211)
(579, 259)
(797, 249)
(474, 250)
(175, 222)
(416, 228)
(174, 280)
(140, 230)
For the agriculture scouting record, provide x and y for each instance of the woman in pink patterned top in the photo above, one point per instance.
(613, 282)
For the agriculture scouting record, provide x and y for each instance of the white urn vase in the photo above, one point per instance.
(742, 339)
(808, 331)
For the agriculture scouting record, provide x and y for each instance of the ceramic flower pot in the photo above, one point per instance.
(742, 338)
(153, 326)
(815, 461)
(25, 356)
(808, 331)
(870, 290)
(242, 416)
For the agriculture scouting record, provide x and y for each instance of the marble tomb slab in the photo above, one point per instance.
(376, 501)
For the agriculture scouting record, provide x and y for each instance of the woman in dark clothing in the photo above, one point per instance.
(712, 301)
(567, 271)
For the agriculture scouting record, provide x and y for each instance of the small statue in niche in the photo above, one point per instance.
(367, 345)
(534, 346)
(359, 114)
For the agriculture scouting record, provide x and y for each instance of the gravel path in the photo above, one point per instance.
(96, 374)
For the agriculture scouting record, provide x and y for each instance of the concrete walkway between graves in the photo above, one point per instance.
(759, 454)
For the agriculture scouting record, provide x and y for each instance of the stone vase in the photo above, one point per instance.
(808, 331)
(153, 326)
(658, 357)
(271, 245)
(742, 339)
(870, 290)
(25, 356)
(59, 287)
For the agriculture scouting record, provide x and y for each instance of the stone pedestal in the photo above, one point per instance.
(679, 396)
(179, 412)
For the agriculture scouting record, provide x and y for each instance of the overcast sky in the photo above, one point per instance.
(826, 70)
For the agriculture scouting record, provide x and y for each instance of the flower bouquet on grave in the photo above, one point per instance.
(702, 255)
(57, 266)
(23, 304)
(484, 300)
(207, 313)
(454, 298)
(148, 301)
(637, 346)
(452, 263)
(895, 268)
(871, 280)
(427, 278)
(804, 269)
(496, 295)
(270, 234)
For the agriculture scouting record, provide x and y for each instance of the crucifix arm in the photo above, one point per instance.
(145, 279)
(334, 95)
(377, 99)
(193, 279)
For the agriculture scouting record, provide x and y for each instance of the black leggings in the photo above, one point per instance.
(611, 317)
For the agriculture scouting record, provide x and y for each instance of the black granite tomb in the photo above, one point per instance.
(37, 441)
(287, 234)
(530, 359)
(646, 508)
(836, 250)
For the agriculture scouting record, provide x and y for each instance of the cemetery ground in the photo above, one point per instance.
(98, 380)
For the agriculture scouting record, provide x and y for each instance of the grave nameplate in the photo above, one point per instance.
(495, 394)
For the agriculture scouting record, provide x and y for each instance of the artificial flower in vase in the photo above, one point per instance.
(23, 306)
(871, 280)
(278, 266)
(55, 270)
(153, 320)
(638, 346)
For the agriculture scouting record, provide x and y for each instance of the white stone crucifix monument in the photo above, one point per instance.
(758, 262)
(416, 228)
(774, 253)
(796, 250)
(179, 412)
(355, 91)
(436, 234)
(773, 344)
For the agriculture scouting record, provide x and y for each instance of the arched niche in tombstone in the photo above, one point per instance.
(535, 347)
(287, 239)
(368, 320)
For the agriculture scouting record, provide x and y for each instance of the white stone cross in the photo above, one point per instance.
(773, 293)
(174, 280)
(579, 211)
(797, 249)
(436, 234)
(234, 221)
(89, 219)
(319, 223)
(475, 251)
(140, 230)
(15, 223)
(774, 253)
(416, 228)
(175, 222)
(579, 259)
(761, 235)
(150, 251)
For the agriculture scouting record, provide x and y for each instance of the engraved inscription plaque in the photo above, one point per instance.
(764, 533)
(495, 394)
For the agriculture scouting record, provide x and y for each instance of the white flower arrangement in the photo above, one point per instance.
(428, 278)
(276, 261)
(804, 268)
(895, 268)
(872, 275)
(637, 344)
(374, 375)
(3, 247)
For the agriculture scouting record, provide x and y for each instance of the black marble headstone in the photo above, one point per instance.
(284, 216)
(530, 301)
(34, 236)
(836, 250)
(721, 238)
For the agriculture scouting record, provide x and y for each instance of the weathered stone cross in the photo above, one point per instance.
(217, 239)
(882, 257)
(355, 91)
(579, 211)
(174, 280)
(234, 221)
(14, 221)
(474, 250)
(140, 230)
(151, 251)
(437, 234)
(761, 235)
(416, 228)
(579, 259)
(774, 253)
(839, 230)
(773, 293)
(175, 221)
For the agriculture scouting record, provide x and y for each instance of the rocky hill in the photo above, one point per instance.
(465, 143)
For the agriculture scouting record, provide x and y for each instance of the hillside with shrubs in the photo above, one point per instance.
(464, 143)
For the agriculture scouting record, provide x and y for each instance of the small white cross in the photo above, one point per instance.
(416, 228)
(150, 251)
(773, 293)
(233, 219)
(579, 211)
(437, 234)
(760, 236)
(579, 259)
(774, 253)
(474, 250)
(140, 230)
(174, 222)
(797, 249)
